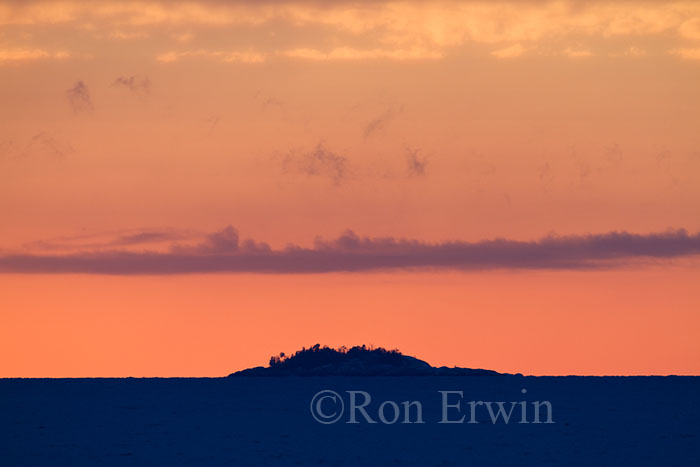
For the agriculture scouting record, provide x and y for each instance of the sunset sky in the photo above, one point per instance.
(187, 188)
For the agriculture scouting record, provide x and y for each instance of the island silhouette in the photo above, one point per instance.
(361, 360)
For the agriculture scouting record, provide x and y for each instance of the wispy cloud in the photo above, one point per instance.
(25, 54)
(128, 35)
(687, 53)
(509, 51)
(577, 52)
(111, 240)
(22, 54)
(380, 122)
(690, 29)
(352, 53)
(40, 145)
(220, 55)
(79, 98)
(223, 252)
(416, 164)
(44, 143)
(318, 162)
(135, 84)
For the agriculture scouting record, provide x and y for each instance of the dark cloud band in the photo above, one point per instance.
(222, 252)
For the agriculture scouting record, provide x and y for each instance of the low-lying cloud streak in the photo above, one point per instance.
(106, 240)
(222, 252)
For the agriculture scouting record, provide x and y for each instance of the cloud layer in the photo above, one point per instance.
(224, 252)
(370, 30)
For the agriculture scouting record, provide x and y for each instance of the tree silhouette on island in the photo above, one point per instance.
(355, 361)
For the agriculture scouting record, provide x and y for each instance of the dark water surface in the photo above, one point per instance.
(268, 421)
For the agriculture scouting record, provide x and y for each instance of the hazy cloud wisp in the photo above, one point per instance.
(79, 98)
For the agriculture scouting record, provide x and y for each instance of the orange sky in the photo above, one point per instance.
(448, 121)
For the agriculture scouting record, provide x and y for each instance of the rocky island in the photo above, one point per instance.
(355, 361)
